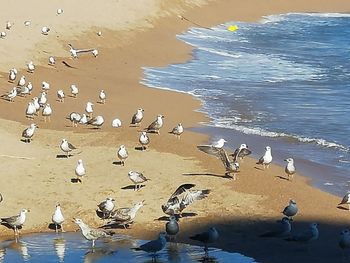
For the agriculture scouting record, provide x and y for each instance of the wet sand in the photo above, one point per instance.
(241, 209)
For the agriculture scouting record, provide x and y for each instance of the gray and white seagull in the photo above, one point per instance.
(16, 221)
(137, 178)
(156, 125)
(241, 152)
(125, 216)
(154, 246)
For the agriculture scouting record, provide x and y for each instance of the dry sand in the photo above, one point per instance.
(136, 36)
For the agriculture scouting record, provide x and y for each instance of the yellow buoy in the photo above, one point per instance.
(232, 28)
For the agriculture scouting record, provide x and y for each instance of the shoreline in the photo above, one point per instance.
(248, 195)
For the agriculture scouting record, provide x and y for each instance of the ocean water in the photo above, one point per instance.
(283, 80)
(73, 248)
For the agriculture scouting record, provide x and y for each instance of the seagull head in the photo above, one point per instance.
(64, 140)
(110, 199)
(141, 110)
(267, 148)
(345, 232)
(289, 160)
(78, 221)
(140, 204)
(291, 201)
(58, 205)
(24, 210)
(314, 225)
(179, 125)
(144, 133)
(80, 161)
(160, 116)
(33, 125)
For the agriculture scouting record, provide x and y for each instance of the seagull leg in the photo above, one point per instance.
(93, 243)
(56, 230)
(62, 229)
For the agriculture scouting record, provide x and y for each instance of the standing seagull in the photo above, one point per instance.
(172, 227)
(22, 81)
(144, 140)
(290, 168)
(183, 197)
(15, 221)
(47, 112)
(266, 159)
(122, 154)
(52, 61)
(60, 95)
(80, 170)
(42, 99)
(283, 230)
(178, 130)
(346, 200)
(45, 30)
(154, 246)
(28, 133)
(89, 109)
(45, 86)
(57, 218)
(102, 97)
(89, 233)
(74, 90)
(67, 147)
(74, 117)
(12, 76)
(137, 178)
(83, 119)
(11, 95)
(31, 110)
(344, 241)
(125, 216)
(241, 152)
(30, 67)
(137, 117)
(156, 125)
(97, 122)
(206, 237)
(290, 210)
(219, 144)
(230, 166)
(106, 207)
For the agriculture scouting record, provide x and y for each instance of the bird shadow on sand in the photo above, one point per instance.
(75, 180)
(282, 177)
(10, 227)
(342, 208)
(209, 174)
(24, 141)
(52, 227)
(184, 215)
(258, 168)
(140, 148)
(132, 187)
(118, 163)
(63, 156)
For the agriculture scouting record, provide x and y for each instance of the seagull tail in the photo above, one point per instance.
(136, 248)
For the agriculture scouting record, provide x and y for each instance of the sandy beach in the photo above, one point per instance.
(35, 176)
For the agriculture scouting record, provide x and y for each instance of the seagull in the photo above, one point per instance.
(172, 227)
(206, 237)
(60, 95)
(42, 99)
(12, 76)
(183, 197)
(178, 130)
(59, 11)
(290, 210)
(74, 117)
(346, 200)
(283, 230)
(311, 234)
(122, 154)
(52, 61)
(11, 95)
(15, 221)
(83, 119)
(106, 207)
(67, 147)
(156, 125)
(74, 52)
(230, 166)
(45, 86)
(2, 34)
(137, 117)
(89, 110)
(57, 218)
(74, 90)
(154, 246)
(116, 123)
(95, 53)
(241, 152)
(23, 91)
(99, 33)
(27, 23)
(102, 97)
(344, 241)
(22, 81)
(96, 121)
(47, 111)
(36, 103)
(219, 144)
(30, 87)
(144, 140)
(45, 30)
(8, 25)
(91, 234)
(30, 67)
(28, 133)
(125, 216)
(80, 170)
(290, 168)
(137, 178)
(266, 159)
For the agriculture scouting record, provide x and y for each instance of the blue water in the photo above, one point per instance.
(72, 247)
(286, 77)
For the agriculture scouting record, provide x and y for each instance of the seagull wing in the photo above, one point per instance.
(97, 233)
(92, 121)
(71, 146)
(181, 189)
(121, 214)
(10, 220)
(24, 133)
(217, 152)
(84, 50)
(152, 126)
(345, 200)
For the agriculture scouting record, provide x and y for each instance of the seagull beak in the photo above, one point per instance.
(28, 210)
